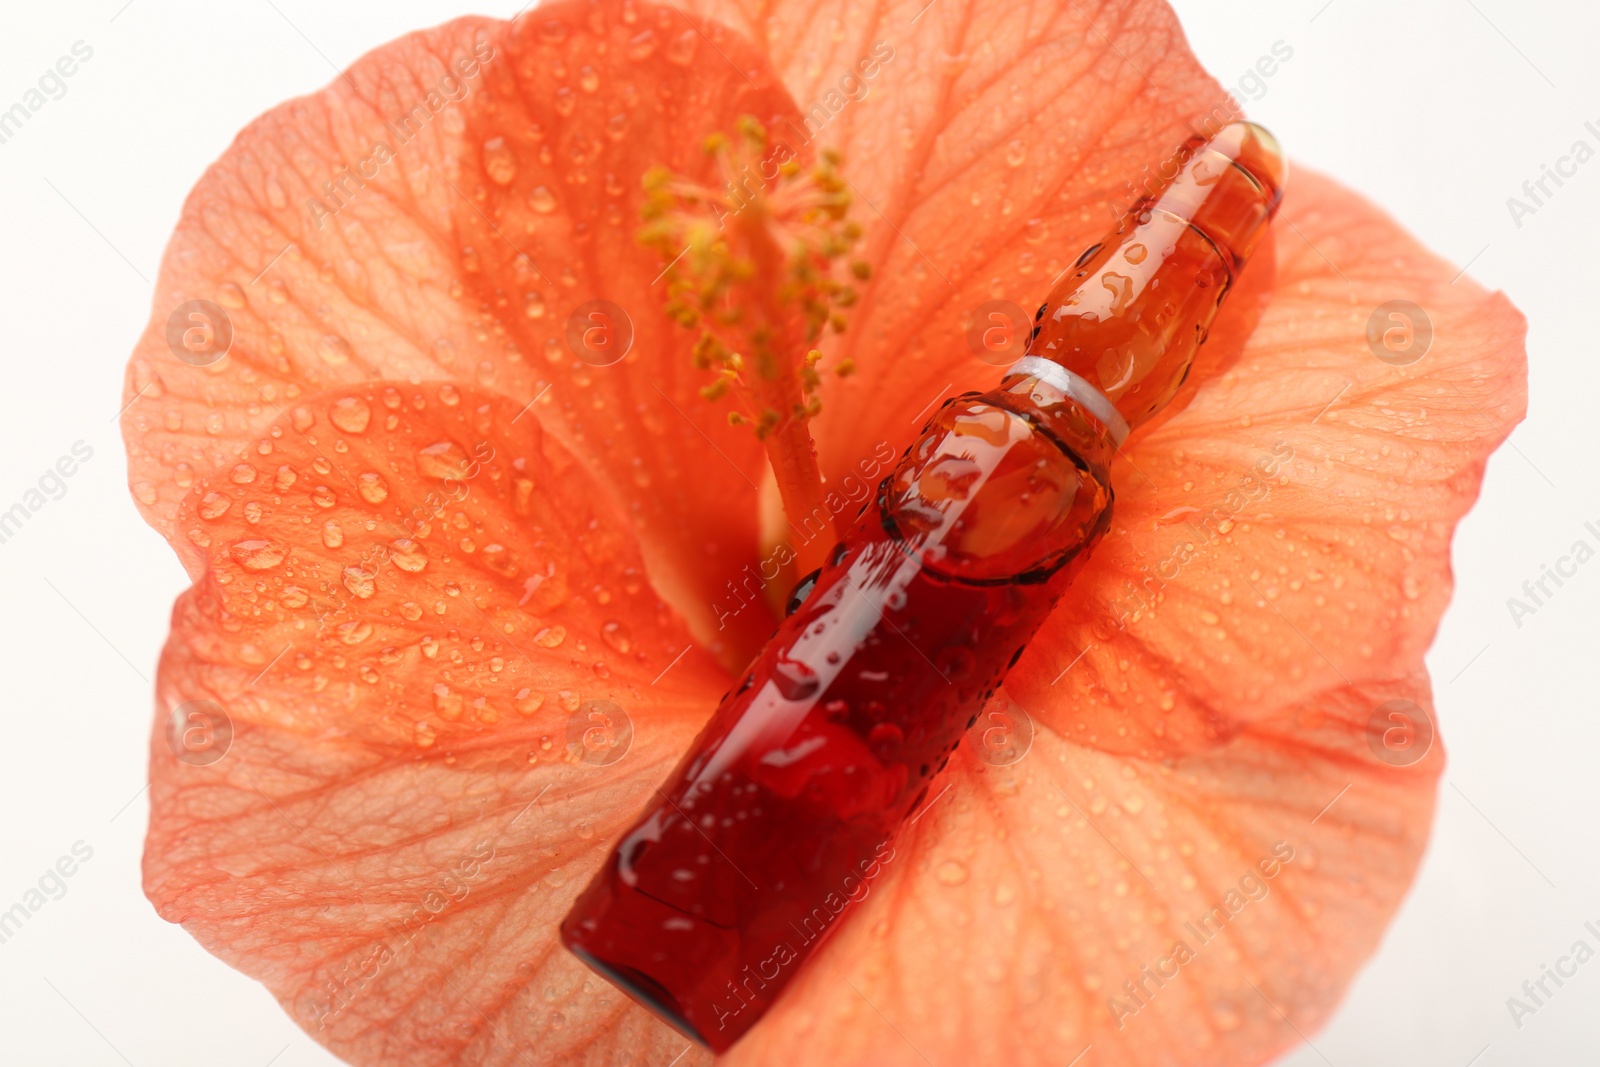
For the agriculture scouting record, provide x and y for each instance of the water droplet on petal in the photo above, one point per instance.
(499, 559)
(498, 161)
(542, 200)
(359, 582)
(681, 51)
(952, 872)
(332, 534)
(372, 487)
(641, 46)
(214, 505)
(409, 556)
(257, 555)
(448, 704)
(617, 636)
(446, 459)
(351, 414)
(354, 632)
(334, 349)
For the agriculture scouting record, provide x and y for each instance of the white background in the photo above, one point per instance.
(1439, 111)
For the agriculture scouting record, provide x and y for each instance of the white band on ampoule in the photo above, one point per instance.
(1078, 388)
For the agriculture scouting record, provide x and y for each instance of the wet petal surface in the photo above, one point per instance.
(417, 784)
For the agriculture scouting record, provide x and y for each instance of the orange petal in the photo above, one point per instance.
(304, 855)
(1017, 907)
(424, 650)
(378, 230)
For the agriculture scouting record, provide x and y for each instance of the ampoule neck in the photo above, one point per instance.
(1062, 408)
(1128, 316)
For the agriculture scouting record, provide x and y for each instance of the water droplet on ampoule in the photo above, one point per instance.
(795, 680)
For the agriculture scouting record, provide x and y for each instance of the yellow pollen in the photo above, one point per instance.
(760, 265)
(751, 267)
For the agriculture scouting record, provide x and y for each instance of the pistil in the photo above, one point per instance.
(751, 270)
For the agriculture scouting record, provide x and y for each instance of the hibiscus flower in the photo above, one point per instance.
(462, 586)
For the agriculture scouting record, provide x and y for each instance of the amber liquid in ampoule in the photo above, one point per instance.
(783, 813)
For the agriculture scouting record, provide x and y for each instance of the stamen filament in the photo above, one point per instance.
(751, 269)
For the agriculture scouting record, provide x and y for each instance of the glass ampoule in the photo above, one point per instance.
(786, 806)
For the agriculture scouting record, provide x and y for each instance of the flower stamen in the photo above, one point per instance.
(751, 269)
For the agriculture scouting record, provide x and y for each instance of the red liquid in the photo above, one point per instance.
(784, 810)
